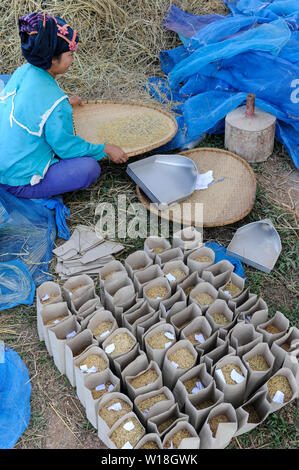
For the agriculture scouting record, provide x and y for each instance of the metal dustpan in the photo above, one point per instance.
(165, 179)
(256, 244)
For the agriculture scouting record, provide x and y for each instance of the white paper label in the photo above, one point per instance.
(248, 318)
(110, 348)
(167, 311)
(166, 345)
(70, 293)
(105, 334)
(110, 387)
(194, 390)
(199, 338)
(145, 412)
(174, 364)
(199, 385)
(56, 321)
(158, 298)
(169, 335)
(100, 387)
(220, 374)
(171, 445)
(115, 407)
(237, 377)
(170, 277)
(278, 397)
(150, 250)
(128, 426)
(91, 369)
(70, 335)
(127, 445)
(45, 297)
(84, 368)
(227, 292)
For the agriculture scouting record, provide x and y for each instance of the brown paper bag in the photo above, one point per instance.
(211, 358)
(137, 365)
(274, 328)
(145, 325)
(173, 254)
(110, 408)
(122, 362)
(277, 398)
(183, 317)
(137, 261)
(155, 245)
(252, 413)
(258, 372)
(282, 346)
(153, 403)
(50, 316)
(219, 315)
(131, 320)
(58, 335)
(119, 343)
(141, 278)
(126, 433)
(225, 430)
(158, 340)
(239, 300)
(81, 371)
(187, 239)
(46, 294)
(218, 274)
(107, 272)
(232, 288)
(113, 283)
(102, 324)
(200, 259)
(204, 294)
(90, 306)
(75, 347)
(186, 358)
(197, 332)
(144, 381)
(95, 387)
(234, 392)
(199, 405)
(162, 423)
(175, 272)
(77, 291)
(243, 337)
(189, 283)
(210, 344)
(156, 290)
(195, 380)
(255, 314)
(175, 303)
(172, 439)
(119, 296)
(149, 441)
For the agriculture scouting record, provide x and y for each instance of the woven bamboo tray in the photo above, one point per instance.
(89, 119)
(224, 202)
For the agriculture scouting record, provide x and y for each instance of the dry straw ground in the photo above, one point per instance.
(119, 48)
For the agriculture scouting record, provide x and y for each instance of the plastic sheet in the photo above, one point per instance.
(16, 285)
(15, 392)
(252, 50)
(220, 254)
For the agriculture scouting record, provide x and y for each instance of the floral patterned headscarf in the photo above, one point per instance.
(44, 36)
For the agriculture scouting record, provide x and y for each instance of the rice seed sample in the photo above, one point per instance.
(122, 342)
(55, 320)
(120, 435)
(226, 370)
(285, 346)
(215, 421)
(144, 379)
(135, 130)
(183, 358)
(148, 403)
(94, 360)
(272, 329)
(102, 328)
(258, 362)
(188, 289)
(232, 289)
(280, 383)
(110, 415)
(203, 259)
(156, 292)
(220, 319)
(191, 384)
(48, 298)
(253, 417)
(166, 424)
(150, 445)
(99, 393)
(177, 438)
(159, 340)
(204, 299)
(176, 273)
(158, 249)
(204, 404)
(109, 275)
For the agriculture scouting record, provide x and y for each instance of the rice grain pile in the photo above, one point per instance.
(272, 329)
(122, 342)
(232, 288)
(258, 362)
(110, 416)
(150, 445)
(204, 299)
(94, 360)
(102, 328)
(204, 259)
(55, 320)
(144, 379)
(280, 383)
(96, 394)
(156, 292)
(166, 424)
(220, 319)
(183, 358)
(120, 435)
(191, 384)
(226, 370)
(149, 402)
(204, 404)
(215, 421)
(177, 438)
(159, 340)
(177, 273)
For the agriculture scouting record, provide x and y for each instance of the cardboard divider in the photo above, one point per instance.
(252, 413)
(256, 314)
(189, 283)
(199, 405)
(131, 320)
(225, 431)
(218, 274)
(141, 278)
(122, 362)
(224, 349)
(173, 254)
(149, 441)
(171, 269)
(243, 337)
(170, 417)
(143, 327)
(184, 317)
(176, 302)
(197, 331)
(137, 261)
(187, 239)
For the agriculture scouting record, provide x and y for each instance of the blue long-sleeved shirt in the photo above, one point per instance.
(36, 125)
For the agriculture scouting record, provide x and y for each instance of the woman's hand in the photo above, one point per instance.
(76, 100)
(115, 153)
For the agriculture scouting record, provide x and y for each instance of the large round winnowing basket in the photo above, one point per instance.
(88, 119)
(224, 202)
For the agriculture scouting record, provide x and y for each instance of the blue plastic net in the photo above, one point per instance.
(252, 50)
(15, 391)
